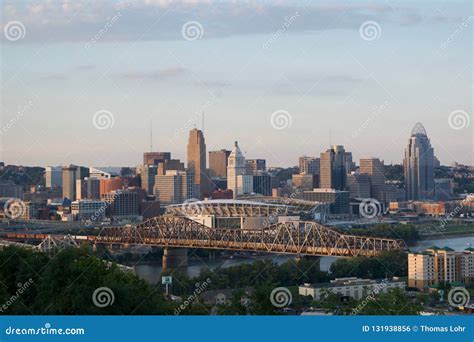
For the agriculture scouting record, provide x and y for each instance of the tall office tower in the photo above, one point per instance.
(262, 184)
(111, 184)
(332, 169)
(197, 160)
(254, 166)
(88, 188)
(348, 163)
(375, 169)
(174, 187)
(359, 185)
(123, 204)
(70, 174)
(235, 167)
(147, 174)
(419, 166)
(309, 165)
(53, 176)
(153, 158)
(218, 163)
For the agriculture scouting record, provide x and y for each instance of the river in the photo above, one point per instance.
(152, 272)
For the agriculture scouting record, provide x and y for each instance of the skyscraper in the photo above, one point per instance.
(235, 167)
(147, 174)
(53, 176)
(419, 166)
(375, 169)
(309, 165)
(333, 168)
(254, 166)
(218, 163)
(197, 160)
(70, 174)
(174, 187)
(153, 158)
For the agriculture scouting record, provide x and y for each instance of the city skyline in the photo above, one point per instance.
(84, 91)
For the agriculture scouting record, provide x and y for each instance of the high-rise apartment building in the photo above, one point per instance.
(53, 176)
(262, 184)
(333, 173)
(235, 167)
(218, 163)
(419, 166)
(375, 169)
(309, 165)
(197, 160)
(123, 204)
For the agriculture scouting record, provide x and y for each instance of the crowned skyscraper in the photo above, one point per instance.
(419, 166)
(235, 168)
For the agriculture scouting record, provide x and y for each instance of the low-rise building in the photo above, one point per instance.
(355, 288)
(438, 265)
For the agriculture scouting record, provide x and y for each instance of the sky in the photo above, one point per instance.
(85, 82)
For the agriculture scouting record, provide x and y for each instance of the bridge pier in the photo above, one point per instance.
(174, 258)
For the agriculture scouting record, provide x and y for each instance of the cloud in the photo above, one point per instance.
(156, 75)
(80, 20)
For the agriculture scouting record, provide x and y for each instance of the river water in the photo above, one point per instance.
(152, 272)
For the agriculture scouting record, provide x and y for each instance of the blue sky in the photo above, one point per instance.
(311, 61)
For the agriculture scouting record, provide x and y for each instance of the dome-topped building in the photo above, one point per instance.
(419, 165)
(418, 129)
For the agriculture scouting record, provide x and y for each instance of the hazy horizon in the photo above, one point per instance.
(81, 80)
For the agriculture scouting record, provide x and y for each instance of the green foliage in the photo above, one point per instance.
(392, 263)
(64, 283)
(407, 233)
